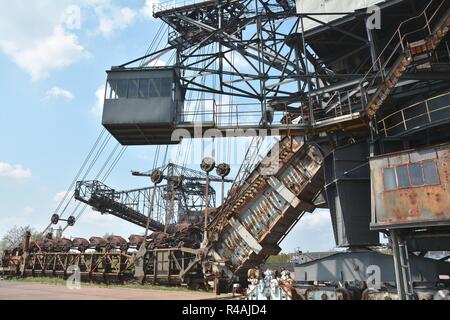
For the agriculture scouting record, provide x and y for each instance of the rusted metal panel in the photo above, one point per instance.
(408, 199)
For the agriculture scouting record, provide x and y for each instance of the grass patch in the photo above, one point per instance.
(281, 258)
(62, 282)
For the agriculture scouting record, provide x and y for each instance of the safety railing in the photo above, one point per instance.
(209, 113)
(279, 6)
(342, 103)
(401, 39)
(247, 115)
(347, 102)
(274, 7)
(416, 116)
(195, 111)
(174, 4)
(86, 189)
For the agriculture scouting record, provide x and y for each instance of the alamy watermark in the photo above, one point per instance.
(210, 142)
(71, 17)
(73, 282)
(373, 22)
(374, 277)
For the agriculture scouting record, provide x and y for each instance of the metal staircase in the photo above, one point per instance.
(412, 43)
(402, 50)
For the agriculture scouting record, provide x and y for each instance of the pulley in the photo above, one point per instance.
(223, 170)
(71, 221)
(208, 164)
(157, 176)
(55, 219)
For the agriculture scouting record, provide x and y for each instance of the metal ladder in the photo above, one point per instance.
(402, 266)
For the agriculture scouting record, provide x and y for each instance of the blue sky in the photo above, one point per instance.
(52, 75)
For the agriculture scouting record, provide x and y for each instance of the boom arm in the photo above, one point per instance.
(127, 205)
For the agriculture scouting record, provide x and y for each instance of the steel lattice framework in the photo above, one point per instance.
(286, 76)
(172, 205)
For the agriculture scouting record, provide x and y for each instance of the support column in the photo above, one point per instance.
(373, 50)
(207, 165)
(205, 235)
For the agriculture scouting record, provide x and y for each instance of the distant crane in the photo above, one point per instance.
(183, 195)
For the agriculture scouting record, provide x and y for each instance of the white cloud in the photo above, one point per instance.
(313, 232)
(33, 37)
(97, 109)
(40, 36)
(54, 52)
(316, 220)
(14, 171)
(58, 92)
(157, 63)
(95, 217)
(113, 18)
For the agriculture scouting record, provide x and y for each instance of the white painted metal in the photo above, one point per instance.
(284, 192)
(248, 238)
(328, 7)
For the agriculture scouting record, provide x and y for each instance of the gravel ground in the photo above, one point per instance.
(11, 290)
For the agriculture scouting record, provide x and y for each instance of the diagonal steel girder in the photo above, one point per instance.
(268, 57)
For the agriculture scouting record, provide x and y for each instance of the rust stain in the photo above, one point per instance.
(437, 197)
(416, 204)
(398, 214)
(413, 198)
(440, 214)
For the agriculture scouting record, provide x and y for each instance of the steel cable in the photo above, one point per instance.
(105, 176)
(80, 171)
(97, 156)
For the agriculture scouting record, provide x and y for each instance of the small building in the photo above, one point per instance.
(142, 105)
(411, 189)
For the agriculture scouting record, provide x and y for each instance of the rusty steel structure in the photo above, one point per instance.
(254, 220)
(278, 91)
(168, 258)
(410, 188)
(161, 266)
(180, 200)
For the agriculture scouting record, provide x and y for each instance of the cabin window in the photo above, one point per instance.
(402, 176)
(390, 180)
(143, 88)
(155, 88)
(139, 88)
(430, 172)
(415, 172)
(122, 88)
(166, 87)
(111, 89)
(133, 89)
(412, 175)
